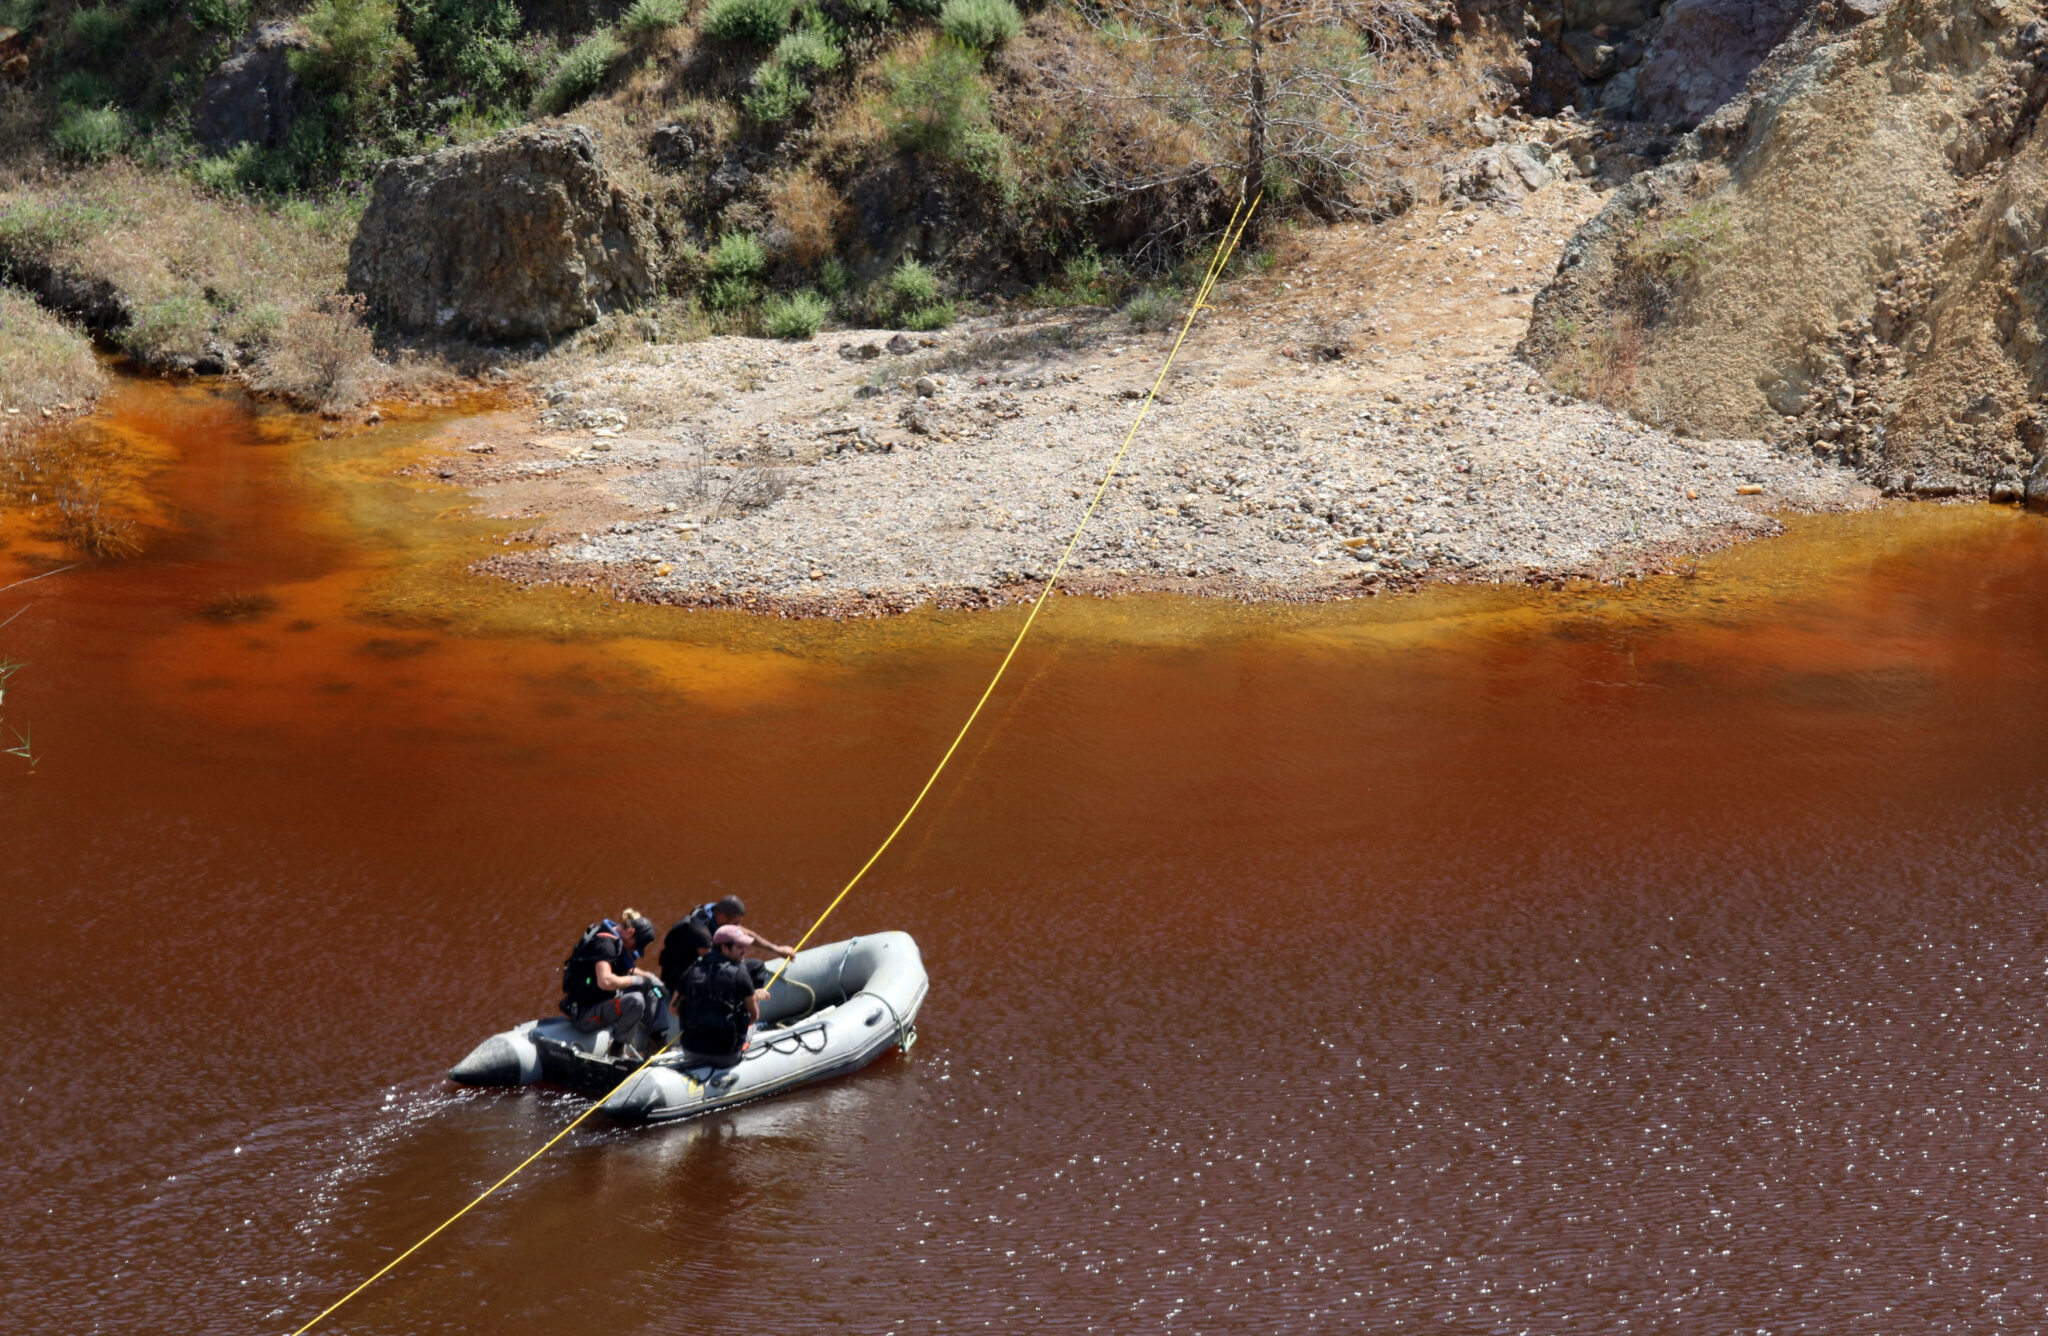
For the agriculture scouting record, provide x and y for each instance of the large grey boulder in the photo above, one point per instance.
(253, 97)
(519, 237)
(1502, 174)
(1704, 53)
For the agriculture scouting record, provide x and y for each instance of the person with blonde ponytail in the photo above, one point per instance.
(603, 987)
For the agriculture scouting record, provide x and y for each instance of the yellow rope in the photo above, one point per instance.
(379, 1274)
(1240, 218)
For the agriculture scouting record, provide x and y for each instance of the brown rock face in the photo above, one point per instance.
(520, 237)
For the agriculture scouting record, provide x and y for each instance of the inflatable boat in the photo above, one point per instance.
(835, 1009)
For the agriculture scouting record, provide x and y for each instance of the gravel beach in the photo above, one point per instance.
(1350, 421)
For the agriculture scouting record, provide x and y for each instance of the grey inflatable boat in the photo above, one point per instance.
(835, 1009)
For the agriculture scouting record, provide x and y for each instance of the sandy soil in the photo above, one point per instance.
(1351, 420)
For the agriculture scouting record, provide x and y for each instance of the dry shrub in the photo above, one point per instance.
(1086, 134)
(847, 133)
(1602, 364)
(623, 123)
(1161, 109)
(85, 523)
(812, 211)
(323, 357)
(43, 361)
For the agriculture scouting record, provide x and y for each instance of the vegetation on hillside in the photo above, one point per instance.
(804, 151)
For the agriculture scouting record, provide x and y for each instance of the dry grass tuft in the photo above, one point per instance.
(812, 211)
(43, 362)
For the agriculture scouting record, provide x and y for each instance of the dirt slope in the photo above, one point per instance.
(1844, 260)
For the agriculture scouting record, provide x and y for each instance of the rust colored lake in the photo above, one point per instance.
(1663, 960)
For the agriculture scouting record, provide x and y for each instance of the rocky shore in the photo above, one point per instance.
(1350, 421)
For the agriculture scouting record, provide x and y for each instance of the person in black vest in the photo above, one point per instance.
(686, 942)
(718, 1002)
(602, 989)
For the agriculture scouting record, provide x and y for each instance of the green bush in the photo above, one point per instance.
(798, 316)
(207, 15)
(734, 266)
(737, 255)
(756, 22)
(776, 94)
(911, 285)
(834, 276)
(871, 11)
(1148, 310)
(176, 326)
(356, 57)
(85, 89)
(934, 102)
(983, 24)
(936, 316)
(90, 134)
(731, 294)
(580, 71)
(475, 44)
(100, 30)
(222, 175)
(808, 51)
(651, 18)
(985, 152)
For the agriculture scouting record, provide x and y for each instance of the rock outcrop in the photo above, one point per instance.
(1851, 260)
(1704, 52)
(1503, 174)
(1669, 62)
(253, 97)
(519, 237)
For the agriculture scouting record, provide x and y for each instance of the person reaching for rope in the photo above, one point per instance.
(727, 912)
(602, 989)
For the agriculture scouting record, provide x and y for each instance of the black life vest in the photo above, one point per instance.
(579, 971)
(713, 1010)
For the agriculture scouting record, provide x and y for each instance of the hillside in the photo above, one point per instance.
(182, 180)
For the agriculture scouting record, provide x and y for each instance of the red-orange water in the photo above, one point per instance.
(1668, 961)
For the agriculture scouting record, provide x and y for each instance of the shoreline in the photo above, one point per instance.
(1353, 423)
(534, 570)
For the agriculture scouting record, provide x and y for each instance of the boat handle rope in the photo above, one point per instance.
(1233, 232)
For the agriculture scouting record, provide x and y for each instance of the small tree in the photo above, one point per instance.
(1303, 89)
